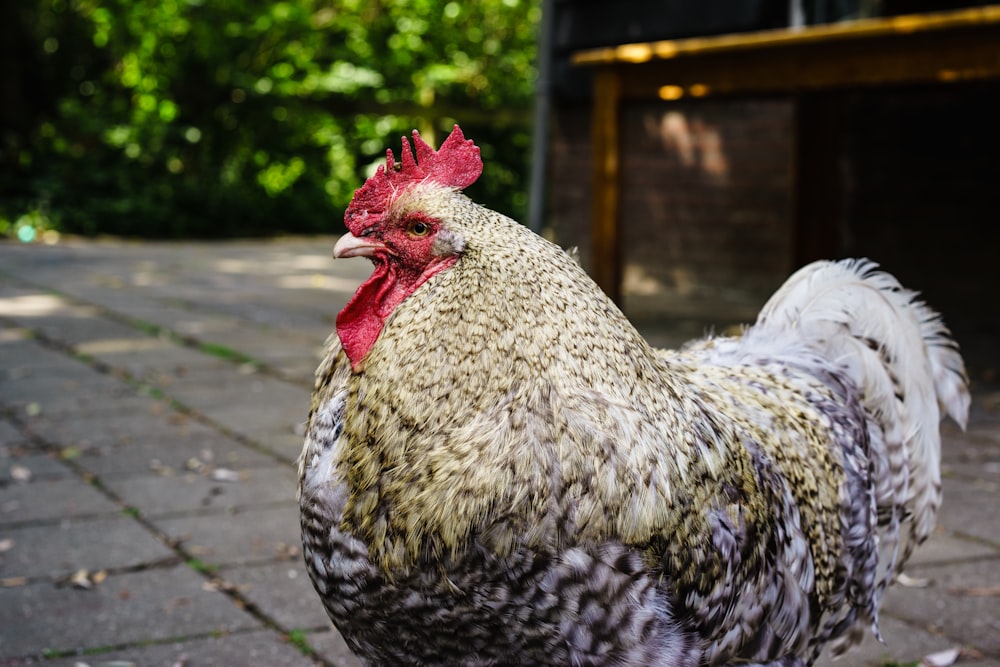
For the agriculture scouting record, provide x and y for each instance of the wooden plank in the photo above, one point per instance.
(786, 39)
(605, 230)
(915, 49)
(945, 59)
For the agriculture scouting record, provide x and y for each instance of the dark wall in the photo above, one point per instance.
(922, 197)
(704, 200)
(708, 189)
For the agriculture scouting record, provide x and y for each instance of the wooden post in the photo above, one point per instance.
(605, 237)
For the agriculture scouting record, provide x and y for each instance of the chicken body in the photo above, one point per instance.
(509, 474)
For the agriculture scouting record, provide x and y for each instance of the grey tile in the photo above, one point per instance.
(332, 647)
(282, 592)
(57, 550)
(52, 499)
(263, 648)
(249, 536)
(151, 605)
(970, 507)
(904, 644)
(172, 455)
(157, 495)
(960, 602)
(38, 466)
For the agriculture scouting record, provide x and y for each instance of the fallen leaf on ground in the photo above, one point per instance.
(226, 475)
(84, 579)
(70, 453)
(156, 465)
(194, 464)
(907, 581)
(941, 658)
(218, 585)
(174, 603)
(286, 551)
(81, 579)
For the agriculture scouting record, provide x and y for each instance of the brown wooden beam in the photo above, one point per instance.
(917, 59)
(926, 48)
(605, 228)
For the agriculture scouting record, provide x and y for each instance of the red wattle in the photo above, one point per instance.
(362, 319)
(358, 325)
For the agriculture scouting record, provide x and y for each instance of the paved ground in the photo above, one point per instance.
(151, 406)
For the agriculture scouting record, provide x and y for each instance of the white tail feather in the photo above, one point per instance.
(902, 359)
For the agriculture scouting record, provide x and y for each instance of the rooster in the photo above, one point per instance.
(498, 469)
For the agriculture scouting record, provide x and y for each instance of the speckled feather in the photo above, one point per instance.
(513, 476)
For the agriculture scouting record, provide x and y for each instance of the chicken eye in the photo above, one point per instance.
(419, 228)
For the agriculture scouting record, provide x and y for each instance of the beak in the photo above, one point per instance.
(350, 245)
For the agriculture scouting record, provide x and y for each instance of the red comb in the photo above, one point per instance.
(456, 165)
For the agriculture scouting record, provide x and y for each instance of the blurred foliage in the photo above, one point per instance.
(235, 118)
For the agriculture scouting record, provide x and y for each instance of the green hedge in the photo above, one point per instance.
(224, 118)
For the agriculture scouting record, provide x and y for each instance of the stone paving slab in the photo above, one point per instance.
(10, 435)
(298, 362)
(943, 548)
(331, 646)
(172, 455)
(962, 601)
(143, 357)
(38, 466)
(132, 607)
(91, 544)
(157, 495)
(904, 645)
(52, 499)
(282, 591)
(286, 415)
(228, 391)
(972, 508)
(59, 396)
(265, 533)
(135, 606)
(261, 648)
(19, 355)
(79, 325)
(89, 431)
